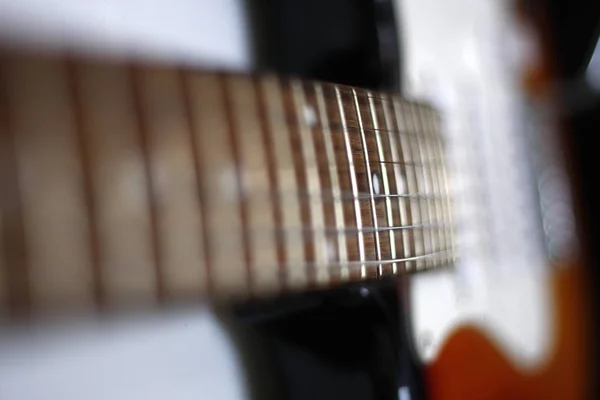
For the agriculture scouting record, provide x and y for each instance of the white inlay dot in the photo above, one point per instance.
(376, 185)
(310, 117)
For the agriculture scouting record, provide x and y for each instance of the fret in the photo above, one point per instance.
(362, 177)
(369, 177)
(120, 183)
(292, 119)
(353, 184)
(254, 182)
(375, 206)
(313, 119)
(313, 184)
(14, 252)
(242, 179)
(171, 161)
(49, 178)
(88, 184)
(274, 199)
(220, 180)
(287, 185)
(342, 251)
(405, 247)
(406, 155)
(386, 187)
(151, 184)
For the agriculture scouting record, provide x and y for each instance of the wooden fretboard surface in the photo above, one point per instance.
(129, 185)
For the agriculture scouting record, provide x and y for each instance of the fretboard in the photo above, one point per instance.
(132, 185)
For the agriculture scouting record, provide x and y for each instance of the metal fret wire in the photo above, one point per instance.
(312, 176)
(280, 136)
(369, 179)
(333, 173)
(361, 243)
(409, 152)
(405, 217)
(406, 154)
(386, 188)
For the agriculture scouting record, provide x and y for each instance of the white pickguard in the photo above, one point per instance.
(462, 55)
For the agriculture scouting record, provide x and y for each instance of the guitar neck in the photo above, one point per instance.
(128, 184)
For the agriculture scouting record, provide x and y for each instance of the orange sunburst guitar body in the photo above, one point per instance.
(470, 366)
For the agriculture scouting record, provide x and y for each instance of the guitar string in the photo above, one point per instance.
(358, 264)
(436, 139)
(346, 231)
(430, 163)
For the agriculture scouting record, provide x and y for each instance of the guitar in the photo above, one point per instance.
(131, 186)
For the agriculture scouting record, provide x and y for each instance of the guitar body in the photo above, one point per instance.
(471, 366)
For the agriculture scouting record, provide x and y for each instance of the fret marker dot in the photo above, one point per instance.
(376, 186)
(330, 251)
(401, 185)
(310, 117)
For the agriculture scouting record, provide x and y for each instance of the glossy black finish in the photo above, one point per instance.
(349, 343)
(353, 42)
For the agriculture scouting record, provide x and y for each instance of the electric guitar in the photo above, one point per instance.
(135, 186)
